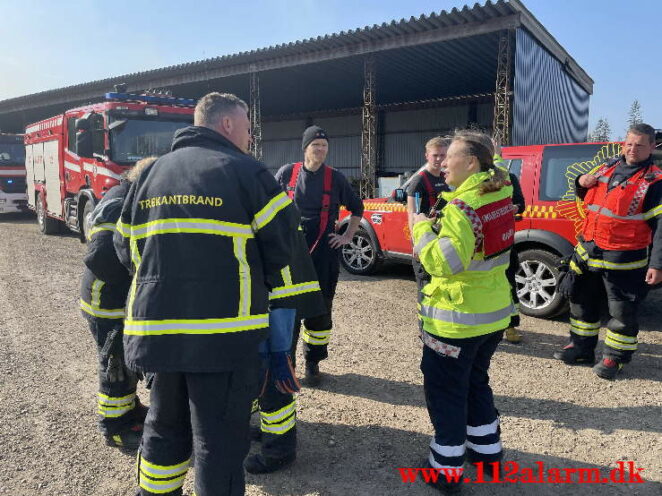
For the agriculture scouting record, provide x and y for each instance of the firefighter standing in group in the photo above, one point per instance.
(104, 289)
(422, 193)
(318, 191)
(295, 291)
(465, 307)
(619, 251)
(201, 229)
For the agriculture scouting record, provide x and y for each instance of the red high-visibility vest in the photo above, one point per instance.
(615, 219)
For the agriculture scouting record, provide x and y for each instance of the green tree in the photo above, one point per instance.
(634, 115)
(602, 131)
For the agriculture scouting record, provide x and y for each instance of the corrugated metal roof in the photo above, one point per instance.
(412, 32)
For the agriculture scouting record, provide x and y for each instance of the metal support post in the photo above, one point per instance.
(256, 116)
(368, 130)
(501, 125)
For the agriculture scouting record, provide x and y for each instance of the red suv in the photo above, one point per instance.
(546, 231)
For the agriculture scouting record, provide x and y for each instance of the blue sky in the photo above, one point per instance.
(46, 44)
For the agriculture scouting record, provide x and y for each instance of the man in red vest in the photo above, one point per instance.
(318, 191)
(619, 251)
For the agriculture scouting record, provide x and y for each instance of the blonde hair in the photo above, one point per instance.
(438, 141)
(480, 145)
(134, 172)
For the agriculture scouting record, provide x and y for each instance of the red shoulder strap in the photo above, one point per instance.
(326, 204)
(293, 179)
(432, 195)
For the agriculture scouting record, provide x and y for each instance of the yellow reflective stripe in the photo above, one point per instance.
(316, 337)
(255, 406)
(191, 226)
(604, 264)
(584, 325)
(101, 227)
(279, 415)
(239, 245)
(612, 343)
(575, 267)
(195, 326)
(136, 259)
(269, 211)
(96, 292)
(123, 228)
(287, 275)
(162, 471)
(584, 332)
(653, 212)
(114, 412)
(161, 487)
(116, 400)
(621, 337)
(281, 428)
(102, 313)
(118, 440)
(294, 289)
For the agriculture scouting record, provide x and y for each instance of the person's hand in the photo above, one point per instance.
(653, 276)
(588, 180)
(420, 218)
(338, 240)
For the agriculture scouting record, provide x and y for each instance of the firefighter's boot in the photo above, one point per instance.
(128, 439)
(573, 355)
(313, 376)
(442, 483)
(512, 335)
(259, 464)
(607, 368)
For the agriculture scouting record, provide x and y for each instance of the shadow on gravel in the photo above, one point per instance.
(341, 460)
(565, 414)
(18, 218)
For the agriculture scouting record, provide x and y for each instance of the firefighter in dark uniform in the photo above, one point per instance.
(318, 191)
(619, 250)
(202, 229)
(294, 291)
(422, 193)
(104, 289)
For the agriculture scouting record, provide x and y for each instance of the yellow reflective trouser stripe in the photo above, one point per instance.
(294, 289)
(113, 407)
(620, 341)
(269, 211)
(162, 471)
(104, 313)
(239, 245)
(195, 326)
(316, 337)
(280, 421)
(287, 276)
(604, 264)
(582, 328)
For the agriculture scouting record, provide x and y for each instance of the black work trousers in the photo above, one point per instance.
(511, 271)
(317, 330)
(208, 412)
(277, 422)
(116, 401)
(625, 290)
(460, 402)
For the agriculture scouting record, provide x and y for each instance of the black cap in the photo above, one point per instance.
(312, 133)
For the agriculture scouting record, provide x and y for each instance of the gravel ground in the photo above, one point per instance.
(367, 419)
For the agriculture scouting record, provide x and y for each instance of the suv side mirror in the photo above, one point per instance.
(399, 195)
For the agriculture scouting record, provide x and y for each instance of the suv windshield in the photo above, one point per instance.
(134, 139)
(561, 165)
(12, 154)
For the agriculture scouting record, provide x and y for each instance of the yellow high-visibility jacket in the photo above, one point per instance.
(468, 295)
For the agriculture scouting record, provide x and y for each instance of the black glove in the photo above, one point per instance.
(568, 274)
(112, 356)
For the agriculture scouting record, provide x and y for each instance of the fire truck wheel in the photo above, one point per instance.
(86, 221)
(536, 280)
(47, 225)
(360, 256)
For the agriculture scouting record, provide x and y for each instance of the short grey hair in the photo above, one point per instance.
(212, 107)
(643, 130)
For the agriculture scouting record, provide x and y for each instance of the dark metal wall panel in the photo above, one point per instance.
(548, 105)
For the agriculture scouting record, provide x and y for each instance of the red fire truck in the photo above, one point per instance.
(546, 231)
(72, 159)
(12, 174)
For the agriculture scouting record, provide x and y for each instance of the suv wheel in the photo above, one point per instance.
(536, 279)
(360, 256)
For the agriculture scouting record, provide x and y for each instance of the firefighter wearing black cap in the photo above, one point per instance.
(294, 291)
(202, 229)
(318, 191)
(104, 289)
(619, 249)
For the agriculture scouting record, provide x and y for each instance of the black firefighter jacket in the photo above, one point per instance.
(105, 282)
(201, 229)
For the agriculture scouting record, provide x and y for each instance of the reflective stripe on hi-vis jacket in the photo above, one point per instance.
(615, 219)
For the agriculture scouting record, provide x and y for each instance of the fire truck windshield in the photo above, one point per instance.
(134, 139)
(11, 154)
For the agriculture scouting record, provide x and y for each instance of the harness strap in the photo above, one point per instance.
(432, 195)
